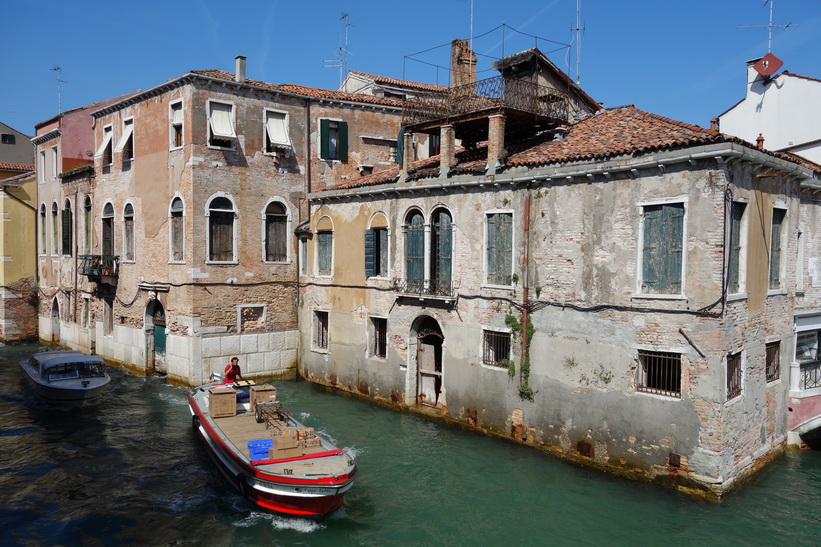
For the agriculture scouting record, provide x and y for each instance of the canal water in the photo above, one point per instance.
(128, 469)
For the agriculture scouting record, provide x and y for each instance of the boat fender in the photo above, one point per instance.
(243, 485)
(195, 422)
(258, 415)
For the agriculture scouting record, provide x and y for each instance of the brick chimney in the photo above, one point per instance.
(240, 75)
(495, 142)
(447, 149)
(462, 63)
(407, 152)
(759, 141)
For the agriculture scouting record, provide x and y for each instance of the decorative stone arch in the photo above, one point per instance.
(275, 210)
(217, 211)
(155, 322)
(324, 258)
(426, 345)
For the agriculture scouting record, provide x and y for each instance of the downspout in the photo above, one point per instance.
(525, 275)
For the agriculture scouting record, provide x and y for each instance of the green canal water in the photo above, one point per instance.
(129, 470)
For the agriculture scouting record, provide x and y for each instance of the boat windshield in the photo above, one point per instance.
(75, 370)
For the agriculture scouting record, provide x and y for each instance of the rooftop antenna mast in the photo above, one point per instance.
(770, 26)
(60, 81)
(578, 30)
(340, 60)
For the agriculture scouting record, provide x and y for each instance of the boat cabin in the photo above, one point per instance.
(67, 365)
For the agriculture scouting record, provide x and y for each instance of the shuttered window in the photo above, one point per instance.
(333, 140)
(177, 233)
(89, 227)
(499, 248)
(662, 252)
(67, 231)
(221, 230)
(325, 240)
(276, 231)
(176, 119)
(221, 125)
(128, 232)
(442, 247)
(775, 248)
(734, 267)
(376, 252)
(108, 230)
(415, 252)
(43, 230)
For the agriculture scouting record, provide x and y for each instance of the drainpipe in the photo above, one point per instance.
(525, 274)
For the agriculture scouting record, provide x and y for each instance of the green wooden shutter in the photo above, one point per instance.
(663, 248)
(325, 252)
(382, 267)
(324, 139)
(415, 254)
(775, 249)
(735, 248)
(400, 145)
(504, 248)
(342, 141)
(66, 219)
(491, 249)
(674, 227)
(370, 255)
(444, 256)
(650, 252)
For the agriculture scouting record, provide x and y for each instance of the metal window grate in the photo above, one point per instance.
(380, 336)
(811, 375)
(659, 373)
(496, 347)
(733, 376)
(773, 361)
(321, 330)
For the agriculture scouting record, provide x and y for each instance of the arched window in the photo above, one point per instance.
(276, 232)
(441, 252)
(325, 246)
(128, 232)
(43, 230)
(89, 227)
(177, 233)
(67, 228)
(108, 230)
(221, 219)
(415, 251)
(55, 229)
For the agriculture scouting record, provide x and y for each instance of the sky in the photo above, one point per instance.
(685, 60)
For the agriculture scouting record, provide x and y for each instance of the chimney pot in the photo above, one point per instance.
(759, 141)
(240, 75)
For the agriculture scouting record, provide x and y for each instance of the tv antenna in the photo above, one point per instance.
(340, 60)
(60, 81)
(770, 26)
(578, 30)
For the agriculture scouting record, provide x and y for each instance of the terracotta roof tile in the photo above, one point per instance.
(302, 90)
(15, 166)
(401, 83)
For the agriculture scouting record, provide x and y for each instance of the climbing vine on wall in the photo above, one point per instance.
(515, 325)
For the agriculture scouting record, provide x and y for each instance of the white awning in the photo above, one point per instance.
(277, 130)
(176, 115)
(106, 141)
(128, 130)
(222, 127)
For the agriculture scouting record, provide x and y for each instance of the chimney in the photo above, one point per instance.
(495, 142)
(714, 124)
(759, 141)
(407, 152)
(462, 63)
(240, 75)
(447, 149)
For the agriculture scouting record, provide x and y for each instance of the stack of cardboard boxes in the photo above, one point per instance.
(222, 402)
(291, 442)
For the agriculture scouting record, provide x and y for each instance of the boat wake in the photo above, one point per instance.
(300, 525)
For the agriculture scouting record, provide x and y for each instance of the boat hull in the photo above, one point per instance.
(294, 495)
(77, 388)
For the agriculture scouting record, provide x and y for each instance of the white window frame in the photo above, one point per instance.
(113, 218)
(235, 230)
(41, 171)
(264, 235)
(640, 249)
(54, 163)
(127, 134)
(283, 145)
(485, 269)
(315, 329)
(743, 380)
(171, 230)
(742, 255)
(172, 124)
(387, 229)
(318, 248)
(108, 137)
(226, 135)
(319, 132)
(133, 233)
(485, 329)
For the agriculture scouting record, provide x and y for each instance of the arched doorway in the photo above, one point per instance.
(55, 322)
(429, 341)
(155, 324)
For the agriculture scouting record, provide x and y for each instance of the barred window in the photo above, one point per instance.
(659, 373)
(321, 330)
(733, 376)
(773, 361)
(496, 348)
(379, 343)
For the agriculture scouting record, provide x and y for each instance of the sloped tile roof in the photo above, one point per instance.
(609, 133)
(302, 90)
(385, 80)
(4, 166)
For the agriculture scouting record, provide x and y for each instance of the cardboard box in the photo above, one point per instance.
(222, 402)
(311, 442)
(285, 441)
(279, 453)
(265, 393)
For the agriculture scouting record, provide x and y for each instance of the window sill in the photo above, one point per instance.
(489, 286)
(175, 148)
(775, 382)
(128, 261)
(222, 263)
(735, 297)
(176, 261)
(776, 292)
(645, 296)
(658, 396)
(323, 351)
(212, 147)
(804, 393)
(277, 262)
(734, 400)
(494, 368)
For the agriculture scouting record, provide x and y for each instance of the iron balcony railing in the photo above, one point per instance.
(497, 92)
(811, 375)
(96, 266)
(424, 287)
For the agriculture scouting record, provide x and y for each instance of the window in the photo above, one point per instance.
(128, 232)
(175, 120)
(8, 138)
(221, 219)
(54, 163)
(733, 375)
(85, 313)
(773, 361)
(500, 249)
(325, 240)
(251, 317)
(806, 354)
(415, 252)
(321, 330)
(735, 279)
(333, 140)
(441, 241)
(379, 336)
(108, 230)
(659, 373)
(126, 144)
(43, 230)
(41, 166)
(106, 150)
(89, 227)
(67, 228)
(276, 131)
(221, 124)
(303, 256)
(496, 348)
(376, 248)
(775, 248)
(662, 248)
(434, 142)
(55, 229)
(177, 233)
(276, 232)
(108, 317)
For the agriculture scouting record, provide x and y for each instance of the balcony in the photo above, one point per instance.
(100, 268)
(517, 99)
(425, 289)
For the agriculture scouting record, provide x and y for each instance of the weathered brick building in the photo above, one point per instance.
(611, 285)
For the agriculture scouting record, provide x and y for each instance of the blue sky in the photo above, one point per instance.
(680, 59)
